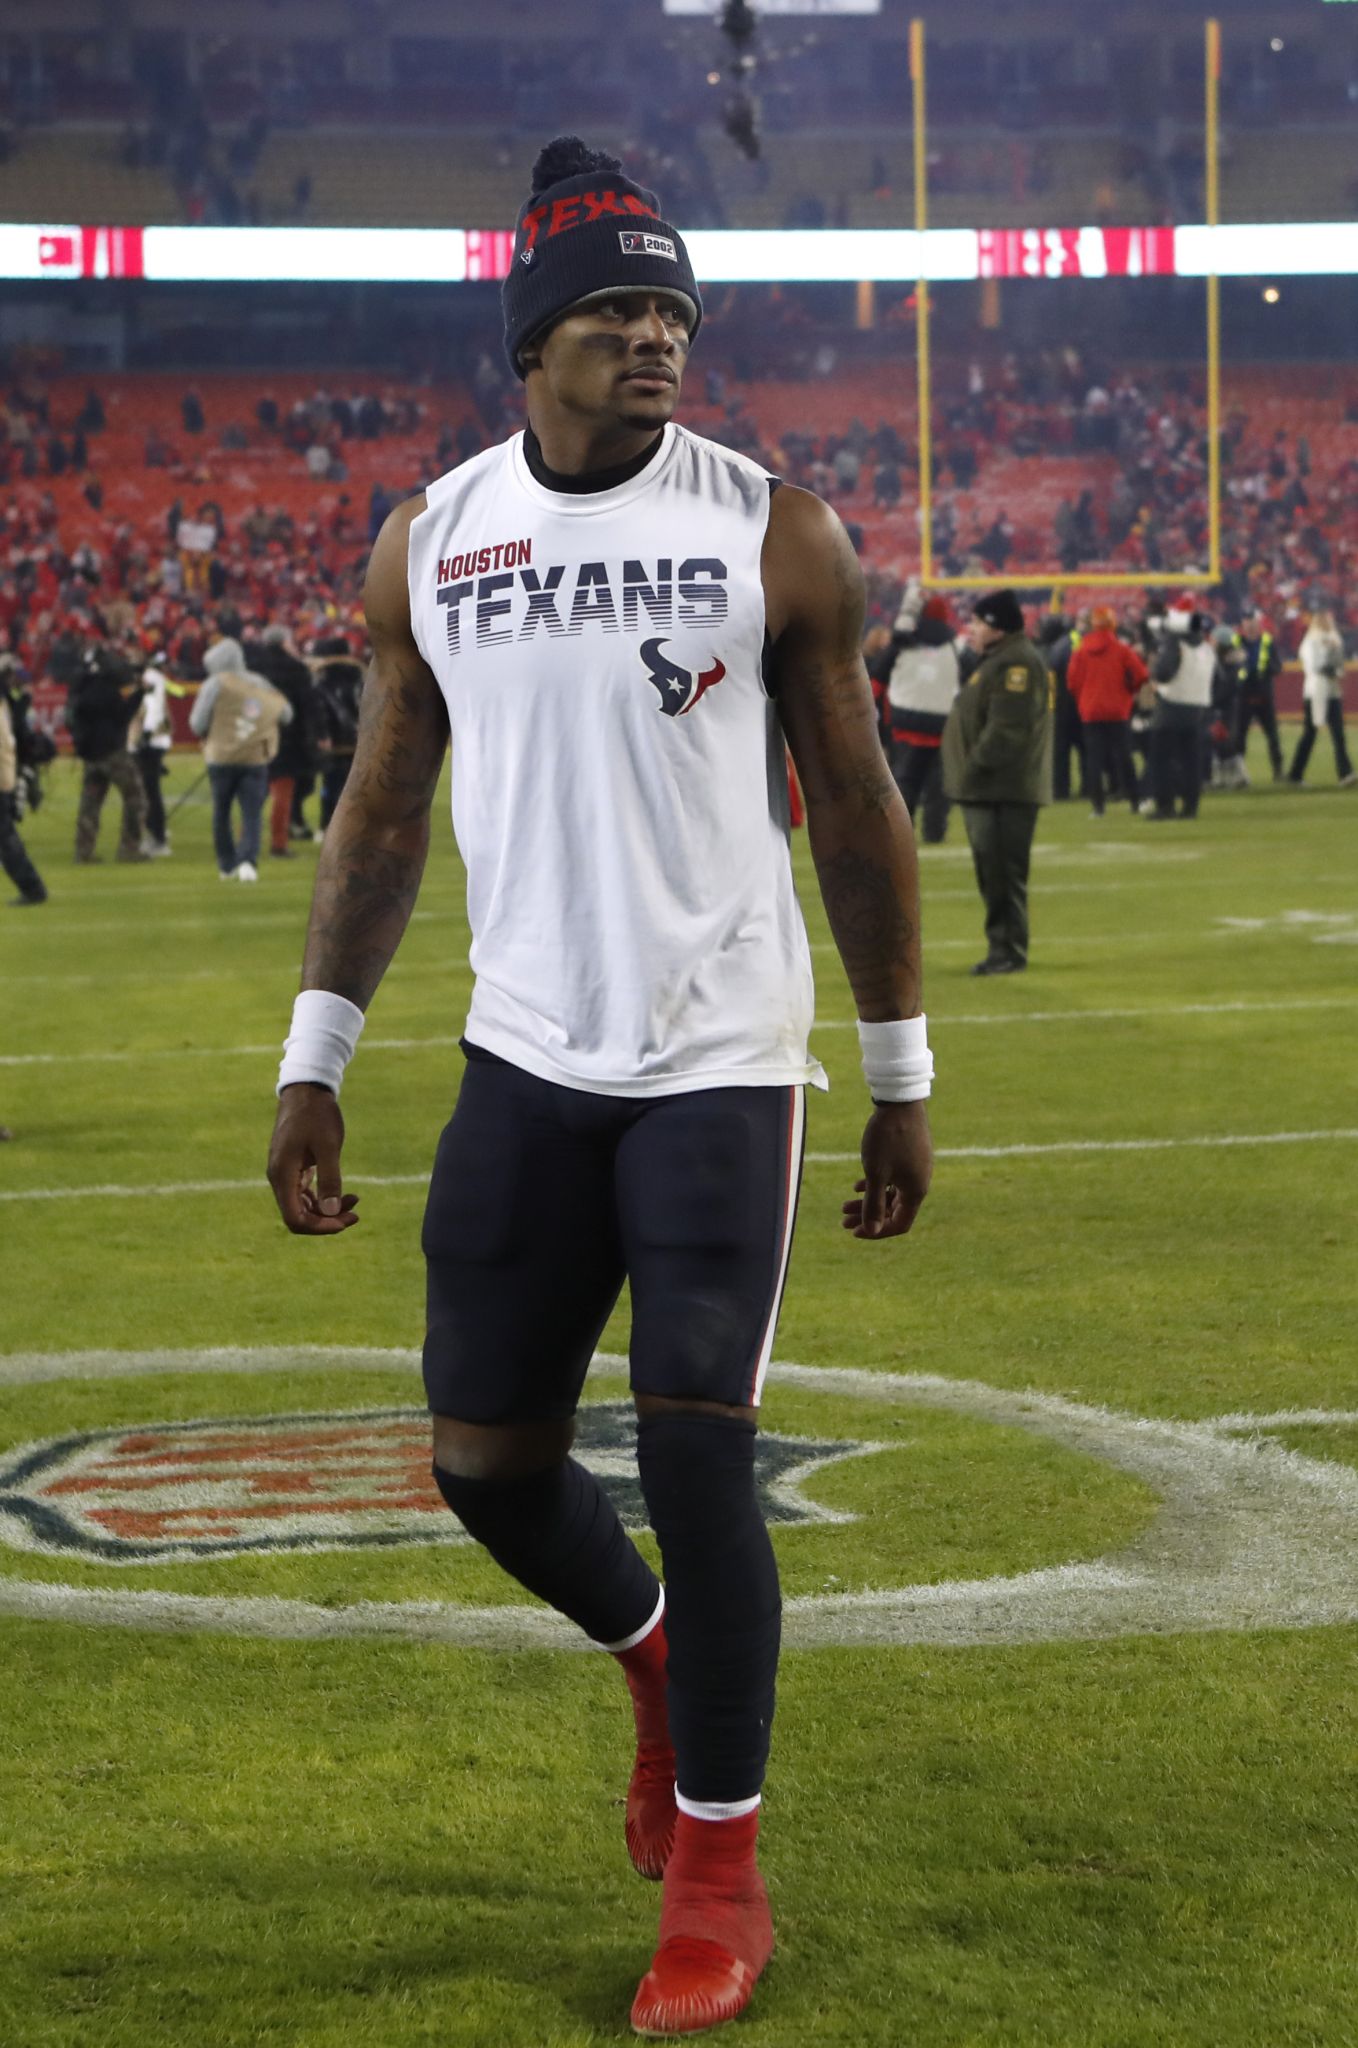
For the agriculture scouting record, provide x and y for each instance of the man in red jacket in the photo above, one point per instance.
(1103, 678)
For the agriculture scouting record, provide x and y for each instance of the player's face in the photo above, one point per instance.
(621, 358)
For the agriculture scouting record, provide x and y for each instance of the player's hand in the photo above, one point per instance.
(304, 1163)
(898, 1162)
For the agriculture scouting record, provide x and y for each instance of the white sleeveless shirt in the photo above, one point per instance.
(619, 791)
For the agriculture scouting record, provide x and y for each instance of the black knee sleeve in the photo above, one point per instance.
(723, 1610)
(558, 1534)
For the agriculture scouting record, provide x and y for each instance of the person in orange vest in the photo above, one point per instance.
(1103, 679)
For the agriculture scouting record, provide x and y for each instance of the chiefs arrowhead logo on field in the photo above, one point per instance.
(679, 688)
(173, 1491)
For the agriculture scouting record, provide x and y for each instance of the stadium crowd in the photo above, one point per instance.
(251, 516)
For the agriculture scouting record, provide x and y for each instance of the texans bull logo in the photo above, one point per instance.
(680, 688)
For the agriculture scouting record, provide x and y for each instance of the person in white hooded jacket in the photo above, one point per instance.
(1322, 664)
(237, 716)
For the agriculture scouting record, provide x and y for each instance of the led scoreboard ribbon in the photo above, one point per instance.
(202, 255)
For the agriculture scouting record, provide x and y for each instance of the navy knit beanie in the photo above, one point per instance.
(1000, 609)
(586, 231)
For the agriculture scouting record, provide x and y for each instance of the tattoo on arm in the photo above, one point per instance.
(859, 831)
(364, 897)
(376, 844)
(876, 937)
(406, 742)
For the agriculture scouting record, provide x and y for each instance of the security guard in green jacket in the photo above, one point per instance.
(997, 764)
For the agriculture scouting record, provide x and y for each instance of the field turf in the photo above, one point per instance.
(1114, 1837)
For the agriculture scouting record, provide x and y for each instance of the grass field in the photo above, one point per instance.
(1116, 1804)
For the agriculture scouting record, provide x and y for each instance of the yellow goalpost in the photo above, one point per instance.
(1059, 578)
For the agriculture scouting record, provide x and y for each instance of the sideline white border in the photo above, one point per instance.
(1249, 1535)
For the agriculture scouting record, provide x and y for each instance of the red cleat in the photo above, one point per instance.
(716, 1932)
(651, 1812)
(691, 1985)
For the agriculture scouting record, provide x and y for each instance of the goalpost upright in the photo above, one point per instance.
(923, 345)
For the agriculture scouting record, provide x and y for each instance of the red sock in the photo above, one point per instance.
(716, 1933)
(650, 1795)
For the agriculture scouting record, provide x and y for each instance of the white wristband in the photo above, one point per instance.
(321, 1040)
(897, 1063)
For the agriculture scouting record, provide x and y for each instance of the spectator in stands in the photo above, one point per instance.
(846, 465)
(191, 412)
(1104, 677)
(997, 543)
(339, 686)
(238, 716)
(101, 703)
(919, 670)
(886, 488)
(1322, 666)
(277, 660)
(1260, 662)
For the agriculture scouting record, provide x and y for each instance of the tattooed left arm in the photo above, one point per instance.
(858, 826)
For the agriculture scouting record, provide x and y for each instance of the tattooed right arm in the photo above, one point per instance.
(376, 843)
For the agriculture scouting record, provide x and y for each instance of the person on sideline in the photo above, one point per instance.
(275, 658)
(338, 689)
(151, 739)
(14, 855)
(237, 715)
(921, 680)
(1322, 668)
(101, 704)
(997, 763)
(621, 622)
(1103, 679)
(1184, 675)
(1259, 662)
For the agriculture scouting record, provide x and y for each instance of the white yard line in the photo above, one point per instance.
(1103, 1145)
(207, 921)
(1169, 1011)
(114, 1191)
(199, 876)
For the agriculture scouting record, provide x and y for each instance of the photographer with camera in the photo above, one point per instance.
(23, 749)
(1183, 673)
(101, 704)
